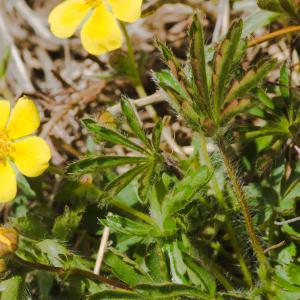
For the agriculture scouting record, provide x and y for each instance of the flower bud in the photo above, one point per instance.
(8, 240)
(86, 179)
(3, 266)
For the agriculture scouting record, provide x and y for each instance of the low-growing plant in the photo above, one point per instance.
(214, 225)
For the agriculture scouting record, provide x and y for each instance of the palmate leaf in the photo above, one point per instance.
(223, 63)
(134, 121)
(111, 136)
(103, 162)
(250, 80)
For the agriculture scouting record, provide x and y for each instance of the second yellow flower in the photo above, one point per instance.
(100, 32)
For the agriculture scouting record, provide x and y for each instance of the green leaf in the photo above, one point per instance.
(293, 271)
(45, 282)
(130, 227)
(169, 57)
(13, 289)
(115, 295)
(25, 186)
(91, 164)
(54, 251)
(250, 80)
(284, 81)
(30, 226)
(206, 278)
(264, 98)
(185, 190)
(111, 136)
(134, 121)
(116, 185)
(257, 20)
(178, 97)
(148, 180)
(156, 264)
(223, 63)
(291, 7)
(66, 224)
(156, 135)
(290, 231)
(198, 62)
(167, 81)
(170, 290)
(287, 255)
(273, 5)
(124, 270)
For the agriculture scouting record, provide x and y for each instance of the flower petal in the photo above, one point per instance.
(127, 11)
(25, 119)
(101, 32)
(8, 182)
(4, 112)
(67, 16)
(31, 156)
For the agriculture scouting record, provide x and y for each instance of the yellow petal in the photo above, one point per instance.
(101, 32)
(127, 11)
(31, 156)
(25, 119)
(8, 182)
(4, 112)
(67, 16)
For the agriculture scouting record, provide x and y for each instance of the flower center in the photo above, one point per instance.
(93, 3)
(5, 145)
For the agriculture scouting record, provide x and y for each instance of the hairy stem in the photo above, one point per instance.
(223, 204)
(72, 271)
(241, 197)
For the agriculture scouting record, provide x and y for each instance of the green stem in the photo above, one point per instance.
(241, 197)
(137, 76)
(208, 163)
(131, 211)
(223, 204)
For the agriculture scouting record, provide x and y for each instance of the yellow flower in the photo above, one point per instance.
(100, 32)
(30, 154)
